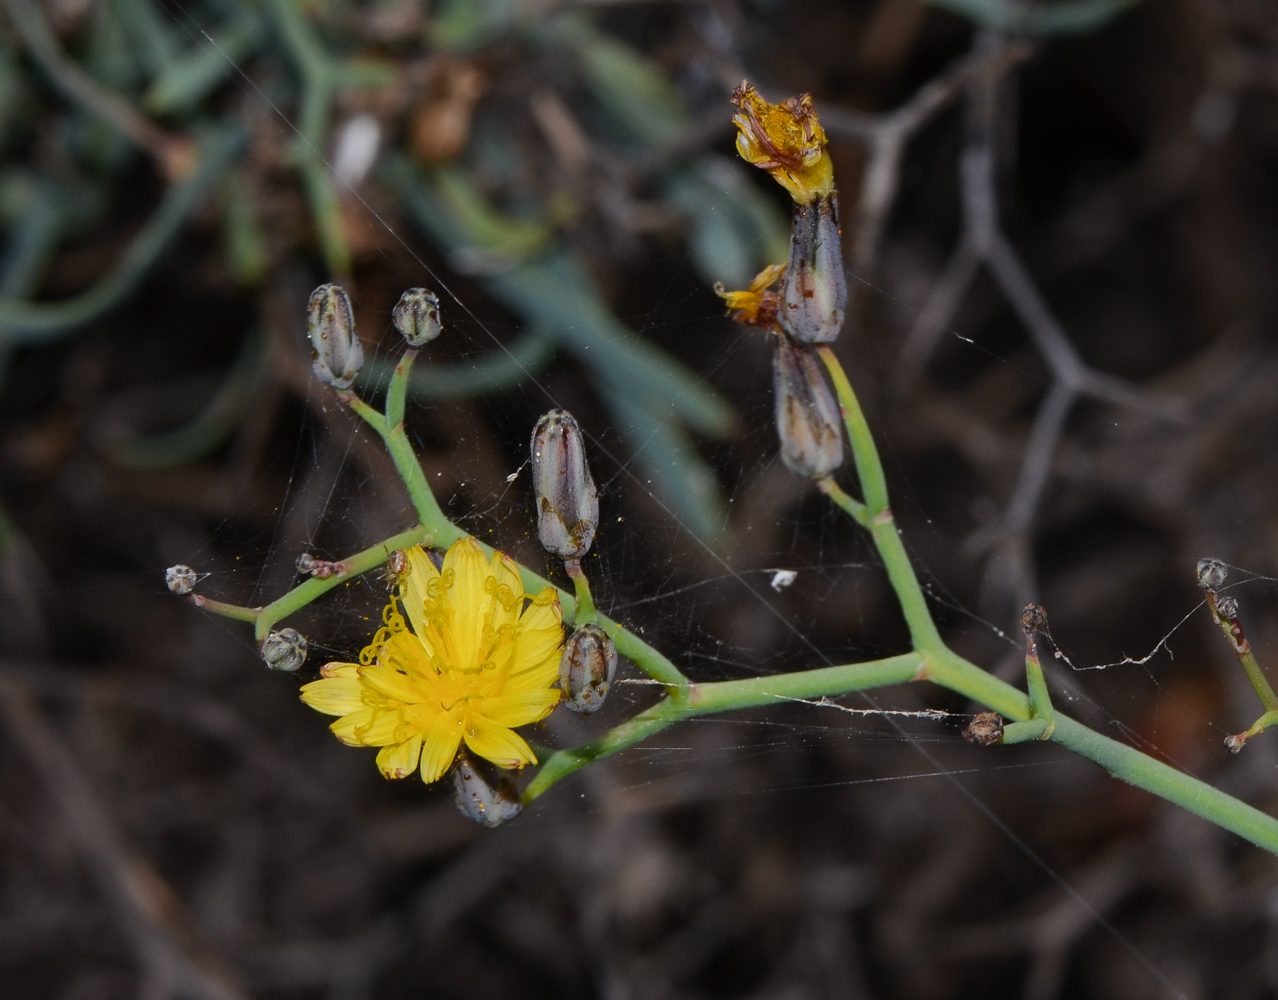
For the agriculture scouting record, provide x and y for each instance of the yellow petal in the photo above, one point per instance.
(406, 653)
(440, 740)
(339, 669)
(382, 728)
(509, 593)
(530, 678)
(421, 571)
(469, 599)
(390, 682)
(348, 727)
(543, 612)
(498, 744)
(511, 709)
(399, 760)
(333, 695)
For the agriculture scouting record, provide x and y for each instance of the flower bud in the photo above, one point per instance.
(586, 669)
(1227, 607)
(284, 650)
(416, 316)
(567, 501)
(807, 416)
(336, 353)
(180, 580)
(814, 290)
(1033, 619)
(487, 803)
(1211, 574)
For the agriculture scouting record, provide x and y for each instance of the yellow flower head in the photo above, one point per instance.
(476, 664)
(786, 140)
(757, 306)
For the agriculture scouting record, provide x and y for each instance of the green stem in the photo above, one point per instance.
(585, 612)
(397, 390)
(1233, 631)
(236, 611)
(1042, 721)
(853, 508)
(351, 566)
(725, 696)
(882, 526)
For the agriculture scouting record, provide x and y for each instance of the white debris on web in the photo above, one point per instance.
(782, 578)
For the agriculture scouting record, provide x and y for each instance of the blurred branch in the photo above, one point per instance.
(23, 322)
(175, 958)
(173, 153)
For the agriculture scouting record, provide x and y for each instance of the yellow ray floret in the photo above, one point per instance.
(756, 306)
(786, 140)
(475, 659)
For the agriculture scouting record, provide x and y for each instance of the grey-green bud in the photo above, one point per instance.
(814, 291)
(284, 650)
(336, 353)
(180, 580)
(807, 416)
(487, 803)
(1211, 573)
(567, 501)
(586, 669)
(416, 316)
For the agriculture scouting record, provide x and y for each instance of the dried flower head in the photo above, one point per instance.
(784, 139)
(478, 661)
(757, 305)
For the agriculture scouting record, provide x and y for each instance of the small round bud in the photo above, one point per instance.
(305, 563)
(586, 669)
(336, 353)
(1235, 743)
(416, 316)
(985, 730)
(487, 803)
(807, 416)
(284, 650)
(1033, 619)
(567, 501)
(1227, 607)
(1211, 573)
(180, 580)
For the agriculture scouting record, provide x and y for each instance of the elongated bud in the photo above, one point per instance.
(284, 650)
(336, 353)
(489, 803)
(814, 290)
(1211, 574)
(180, 580)
(416, 316)
(586, 669)
(807, 416)
(567, 501)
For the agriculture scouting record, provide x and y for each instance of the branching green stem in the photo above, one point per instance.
(930, 660)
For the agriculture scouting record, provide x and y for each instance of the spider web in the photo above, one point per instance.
(810, 595)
